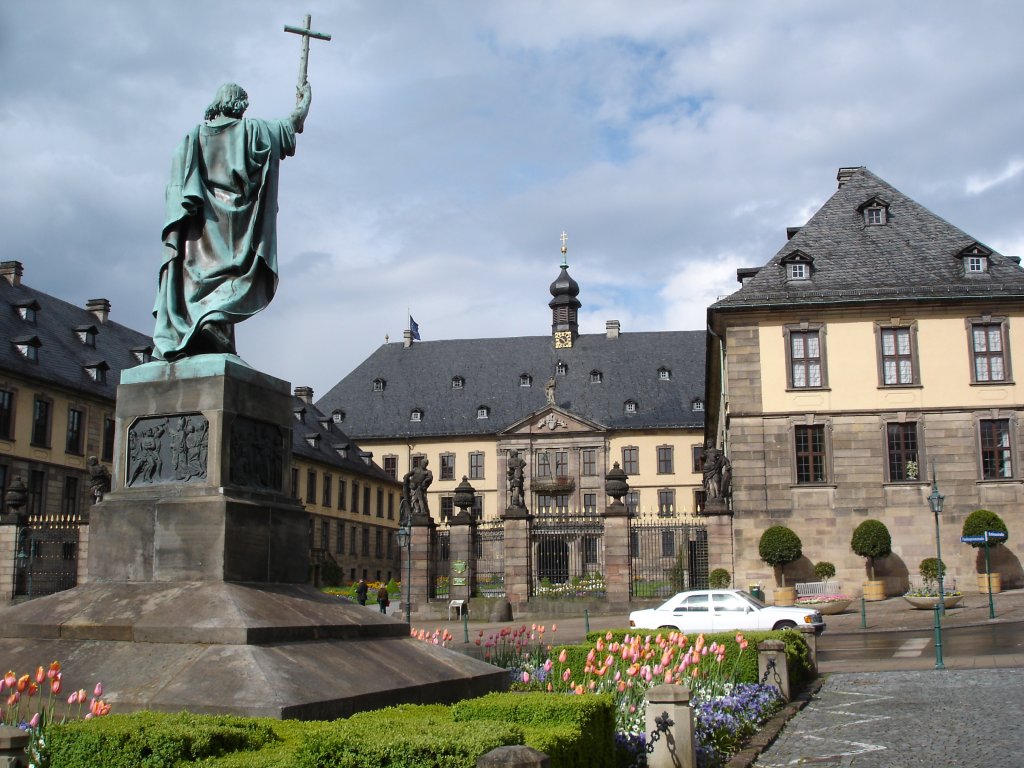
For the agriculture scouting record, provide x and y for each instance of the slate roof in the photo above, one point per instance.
(316, 438)
(420, 376)
(912, 257)
(62, 357)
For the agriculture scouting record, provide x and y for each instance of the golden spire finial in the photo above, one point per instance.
(565, 239)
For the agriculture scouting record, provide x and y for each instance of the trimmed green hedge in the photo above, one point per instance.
(574, 731)
(152, 740)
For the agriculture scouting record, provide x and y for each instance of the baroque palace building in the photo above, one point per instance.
(59, 372)
(873, 353)
(572, 405)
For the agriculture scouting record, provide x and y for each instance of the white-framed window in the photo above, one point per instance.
(629, 406)
(798, 271)
(697, 406)
(416, 415)
(525, 380)
(483, 412)
(379, 385)
(664, 374)
(458, 382)
(596, 377)
(990, 350)
(874, 215)
(561, 368)
(976, 264)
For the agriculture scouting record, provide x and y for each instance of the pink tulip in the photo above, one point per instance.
(548, 665)
(554, 627)
(562, 656)
(73, 698)
(40, 674)
(34, 722)
(10, 679)
(566, 675)
(526, 677)
(55, 686)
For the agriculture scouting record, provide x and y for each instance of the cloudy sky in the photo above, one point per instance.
(450, 143)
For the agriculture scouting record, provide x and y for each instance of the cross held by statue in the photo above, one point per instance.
(306, 33)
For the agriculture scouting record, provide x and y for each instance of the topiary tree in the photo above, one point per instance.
(779, 546)
(981, 520)
(871, 539)
(719, 578)
(824, 570)
(930, 569)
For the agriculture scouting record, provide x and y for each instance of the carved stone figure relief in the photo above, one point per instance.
(257, 454)
(167, 449)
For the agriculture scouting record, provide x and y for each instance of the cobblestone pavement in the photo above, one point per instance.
(936, 718)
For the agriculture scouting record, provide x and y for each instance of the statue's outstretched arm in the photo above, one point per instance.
(302, 99)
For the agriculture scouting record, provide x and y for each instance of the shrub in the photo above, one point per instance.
(719, 578)
(981, 520)
(153, 740)
(871, 539)
(824, 570)
(331, 574)
(779, 546)
(931, 569)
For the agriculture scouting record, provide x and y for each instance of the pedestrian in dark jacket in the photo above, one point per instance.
(361, 592)
(383, 598)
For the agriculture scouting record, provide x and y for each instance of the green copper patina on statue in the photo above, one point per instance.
(220, 228)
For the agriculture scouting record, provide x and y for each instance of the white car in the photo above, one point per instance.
(722, 610)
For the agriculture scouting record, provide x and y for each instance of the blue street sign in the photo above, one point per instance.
(972, 539)
(995, 535)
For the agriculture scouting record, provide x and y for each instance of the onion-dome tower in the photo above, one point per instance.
(564, 306)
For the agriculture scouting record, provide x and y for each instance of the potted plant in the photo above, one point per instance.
(778, 547)
(927, 596)
(828, 603)
(979, 521)
(824, 571)
(871, 539)
(719, 578)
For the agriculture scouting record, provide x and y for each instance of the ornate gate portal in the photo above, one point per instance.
(47, 556)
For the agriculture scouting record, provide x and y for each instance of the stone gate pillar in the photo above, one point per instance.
(421, 555)
(517, 555)
(11, 523)
(616, 539)
(462, 557)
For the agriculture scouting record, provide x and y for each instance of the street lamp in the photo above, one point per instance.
(404, 535)
(935, 500)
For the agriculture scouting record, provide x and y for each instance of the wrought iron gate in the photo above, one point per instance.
(489, 550)
(568, 554)
(440, 566)
(666, 556)
(47, 556)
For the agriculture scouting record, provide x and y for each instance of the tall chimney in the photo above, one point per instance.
(100, 308)
(611, 329)
(305, 394)
(11, 271)
(407, 338)
(844, 175)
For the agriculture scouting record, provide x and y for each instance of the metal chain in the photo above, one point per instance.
(771, 669)
(661, 725)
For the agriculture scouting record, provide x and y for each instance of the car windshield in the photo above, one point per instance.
(751, 599)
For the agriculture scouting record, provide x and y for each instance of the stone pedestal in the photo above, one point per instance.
(202, 453)
(424, 538)
(720, 543)
(517, 555)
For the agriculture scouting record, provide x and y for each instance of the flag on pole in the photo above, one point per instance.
(414, 327)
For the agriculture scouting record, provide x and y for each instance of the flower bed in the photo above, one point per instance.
(827, 605)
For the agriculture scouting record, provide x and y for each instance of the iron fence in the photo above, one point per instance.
(666, 556)
(489, 550)
(440, 565)
(46, 561)
(568, 554)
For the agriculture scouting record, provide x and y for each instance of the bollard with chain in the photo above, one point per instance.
(773, 667)
(669, 725)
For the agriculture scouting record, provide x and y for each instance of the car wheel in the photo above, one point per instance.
(669, 627)
(784, 625)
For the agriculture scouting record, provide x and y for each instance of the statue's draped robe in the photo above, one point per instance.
(220, 230)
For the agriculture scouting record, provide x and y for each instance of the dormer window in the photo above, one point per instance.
(596, 377)
(798, 265)
(875, 212)
(416, 415)
(313, 439)
(300, 415)
(342, 449)
(86, 334)
(697, 406)
(28, 347)
(483, 412)
(367, 457)
(338, 416)
(458, 382)
(525, 380)
(379, 384)
(142, 354)
(975, 259)
(664, 374)
(97, 371)
(630, 406)
(27, 310)
(561, 368)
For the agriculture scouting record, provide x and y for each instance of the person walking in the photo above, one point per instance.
(361, 592)
(383, 598)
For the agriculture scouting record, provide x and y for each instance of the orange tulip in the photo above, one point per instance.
(40, 674)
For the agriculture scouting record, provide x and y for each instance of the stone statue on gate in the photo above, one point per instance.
(414, 488)
(99, 479)
(516, 478)
(717, 473)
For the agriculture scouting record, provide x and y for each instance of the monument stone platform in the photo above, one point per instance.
(197, 561)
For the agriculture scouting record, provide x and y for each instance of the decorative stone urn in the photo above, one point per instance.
(925, 602)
